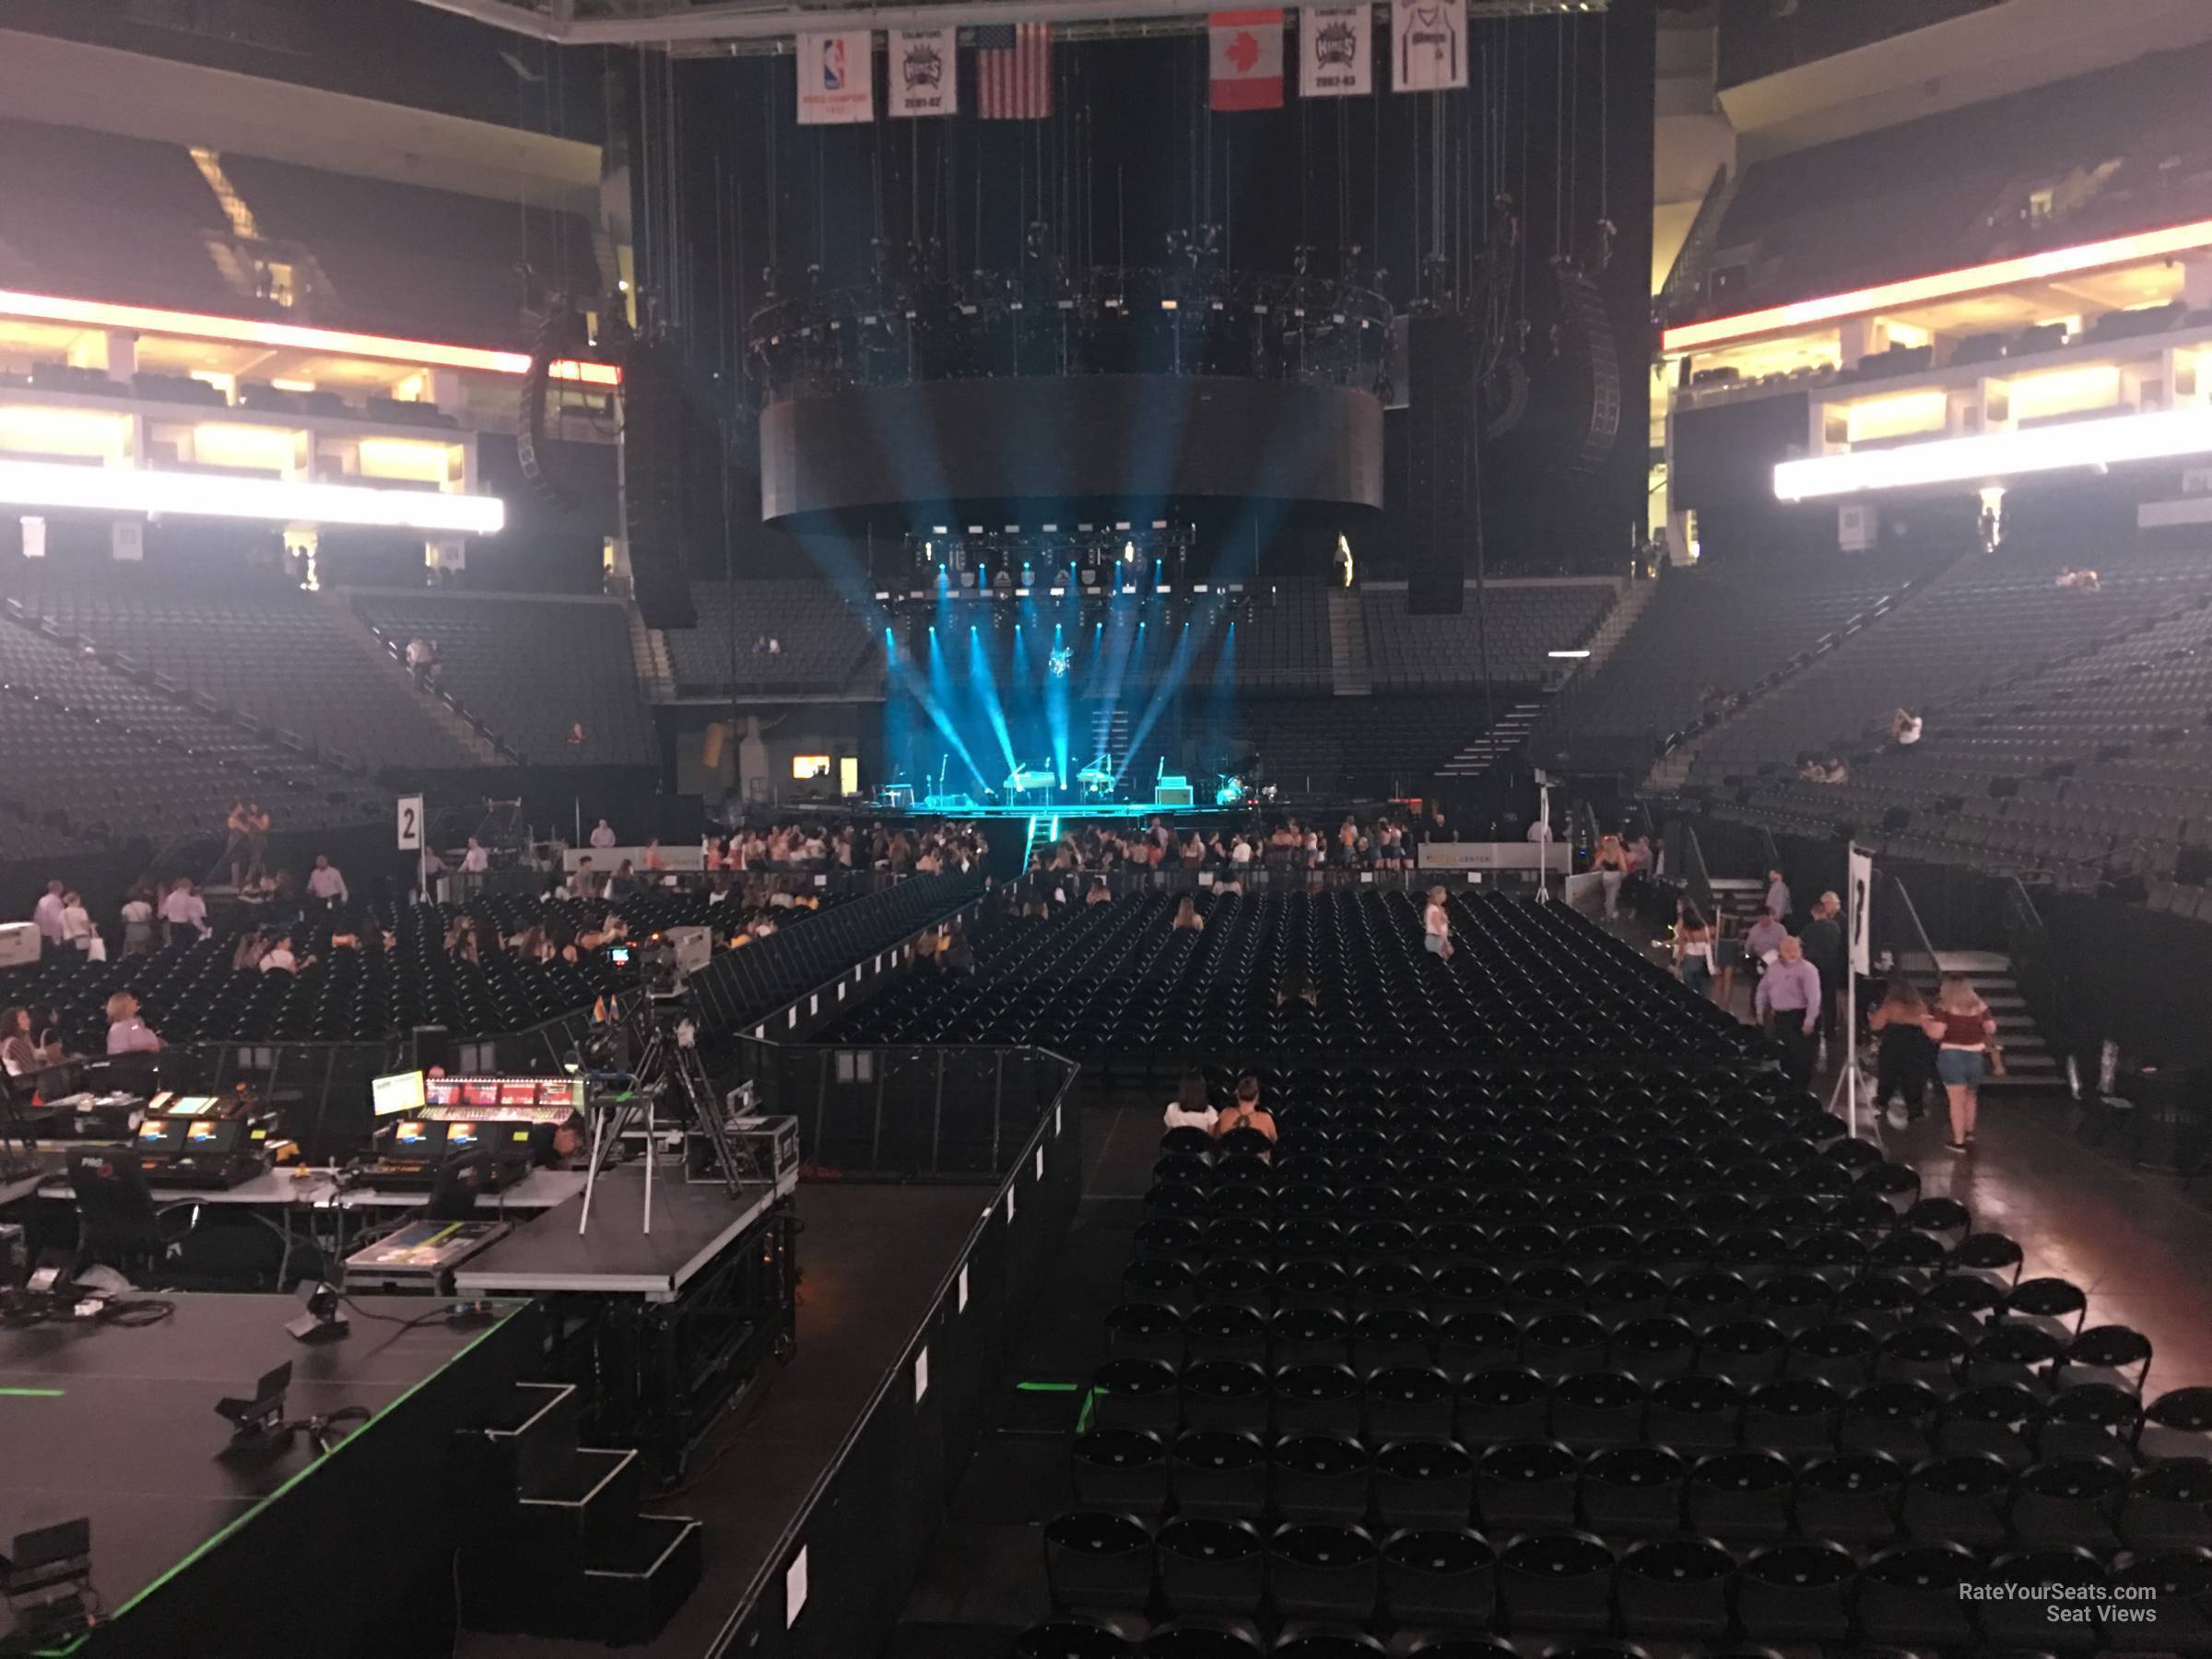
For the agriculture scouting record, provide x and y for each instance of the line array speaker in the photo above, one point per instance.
(655, 487)
(1442, 424)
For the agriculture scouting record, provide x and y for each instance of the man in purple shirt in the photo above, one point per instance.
(1789, 995)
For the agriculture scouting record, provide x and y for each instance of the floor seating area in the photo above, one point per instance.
(1576, 1357)
(1705, 638)
(825, 648)
(1116, 984)
(1518, 621)
(531, 669)
(298, 667)
(191, 993)
(91, 756)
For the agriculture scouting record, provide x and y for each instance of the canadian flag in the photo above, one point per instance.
(1247, 59)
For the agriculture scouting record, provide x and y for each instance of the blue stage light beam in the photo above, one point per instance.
(935, 704)
(986, 689)
(1187, 641)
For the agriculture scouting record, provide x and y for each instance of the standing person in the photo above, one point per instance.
(1187, 919)
(1962, 1028)
(324, 884)
(47, 914)
(1822, 937)
(258, 841)
(234, 848)
(76, 927)
(138, 919)
(1693, 950)
(1436, 925)
(1790, 997)
(1611, 862)
(1778, 896)
(475, 860)
(1908, 1054)
(1763, 938)
(184, 912)
(603, 834)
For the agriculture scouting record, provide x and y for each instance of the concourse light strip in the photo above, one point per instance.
(1943, 285)
(248, 330)
(1988, 456)
(57, 486)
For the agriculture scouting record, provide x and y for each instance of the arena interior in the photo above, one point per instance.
(1076, 830)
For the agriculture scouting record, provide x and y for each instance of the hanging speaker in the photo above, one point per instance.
(654, 483)
(1441, 433)
(1588, 337)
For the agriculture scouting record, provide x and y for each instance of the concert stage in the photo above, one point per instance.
(197, 1550)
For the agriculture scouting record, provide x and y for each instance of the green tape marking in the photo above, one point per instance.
(1047, 1387)
(30, 1394)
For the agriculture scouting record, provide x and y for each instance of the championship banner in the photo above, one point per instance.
(1859, 913)
(837, 81)
(924, 69)
(1247, 59)
(1336, 52)
(1429, 44)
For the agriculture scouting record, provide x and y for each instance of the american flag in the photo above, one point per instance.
(1014, 71)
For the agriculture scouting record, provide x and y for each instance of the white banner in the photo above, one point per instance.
(924, 69)
(1429, 44)
(1858, 912)
(837, 81)
(1336, 52)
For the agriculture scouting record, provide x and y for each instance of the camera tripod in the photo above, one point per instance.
(668, 1070)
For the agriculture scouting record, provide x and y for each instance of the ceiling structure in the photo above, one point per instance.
(680, 24)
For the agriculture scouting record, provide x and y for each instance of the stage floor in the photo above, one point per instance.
(118, 1424)
(870, 1258)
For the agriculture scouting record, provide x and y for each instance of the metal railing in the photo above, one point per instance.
(1909, 942)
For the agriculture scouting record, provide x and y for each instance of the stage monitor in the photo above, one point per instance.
(402, 1091)
(480, 1091)
(460, 1137)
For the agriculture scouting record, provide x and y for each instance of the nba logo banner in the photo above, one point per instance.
(924, 66)
(837, 80)
(1336, 52)
(1429, 44)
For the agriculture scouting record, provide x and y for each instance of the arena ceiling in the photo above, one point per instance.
(706, 24)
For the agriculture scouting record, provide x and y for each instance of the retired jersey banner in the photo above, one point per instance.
(924, 70)
(1336, 52)
(1247, 59)
(1429, 44)
(837, 82)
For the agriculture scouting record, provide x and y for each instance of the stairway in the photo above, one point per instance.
(1110, 737)
(443, 715)
(1494, 744)
(2030, 1068)
(1739, 898)
(1615, 628)
(649, 655)
(557, 1545)
(1350, 671)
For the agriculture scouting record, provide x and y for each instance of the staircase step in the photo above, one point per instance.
(585, 1502)
(632, 1590)
(531, 1441)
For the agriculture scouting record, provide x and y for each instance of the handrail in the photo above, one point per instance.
(1697, 876)
(1919, 934)
(2021, 904)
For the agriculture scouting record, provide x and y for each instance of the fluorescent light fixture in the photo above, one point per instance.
(1059, 593)
(283, 384)
(1945, 285)
(246, 330)
(2159, 435)
(1577, 654)
(51, 484)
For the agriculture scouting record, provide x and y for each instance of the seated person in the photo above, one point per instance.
(1245, 1112)
(1190, 1108)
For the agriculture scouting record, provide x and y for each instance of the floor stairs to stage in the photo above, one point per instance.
(559, 1545)
(2030, 1068)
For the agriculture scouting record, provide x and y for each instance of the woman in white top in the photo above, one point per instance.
(1693, 950)
(1436, 925)
(77, 924)
(1190, 1108)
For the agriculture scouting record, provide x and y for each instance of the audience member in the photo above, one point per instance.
(128, 1034)
(1763, 938)
(18, 1054)
(1778, 896)
(1822, 937)
(185, 913)
(1788, 999)
(1693, 950)
(1904, 728)
(325, 885)
(1907, 1055)
(1190, 1108)
(1963, 1029)
(1187, 919)
(47, 914)
(1611, 862)
(602, 835)
(1436, 924)
(138, 919)
(1245, 1112)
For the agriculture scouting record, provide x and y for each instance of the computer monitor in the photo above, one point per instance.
(402, 1091)
(412, 1135)
(480, 1091)
(213, 1137)
(460, 1135)
(161, 1135)
(445, 1091)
